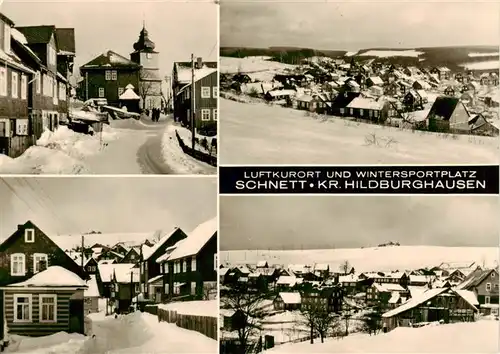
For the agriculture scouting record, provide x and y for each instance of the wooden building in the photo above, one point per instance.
(448, 114)
(206, 91)
(365, 108)
(287, 301)
(125, 286)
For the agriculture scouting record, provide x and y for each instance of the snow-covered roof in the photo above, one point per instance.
(350, 278)
(147, 252)
(395, 296)
(366, 103)
(106, 270)
(468, 296)
(85, 115)
(196, 240)
(290, 298)
(321, 266)
(184, 74)
(287, 280)
(53, 276)
(416, 291)
(93, 289)
(126, 275)
(129, 94)
(419, 278)
(388, 287)
(377, 80)
(155, 279)
(278, 93)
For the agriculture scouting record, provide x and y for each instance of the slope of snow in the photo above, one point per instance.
(251, 65)
(262, 134)
(482, 65)
(473, 337)
(93, 289)
(209, 308)
(487, 54)
(369, 259)
(53, 276)
(57, 343)
(390, 53)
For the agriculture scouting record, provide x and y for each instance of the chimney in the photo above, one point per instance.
(199, 63)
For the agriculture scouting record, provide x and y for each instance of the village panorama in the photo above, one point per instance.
(77, 99)
(91, 291)
(358, 274)
(307, 95)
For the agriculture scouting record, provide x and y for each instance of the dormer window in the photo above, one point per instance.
(29, 235)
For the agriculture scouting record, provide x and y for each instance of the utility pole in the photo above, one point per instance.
(87, 86)
(193, 105)
(83, 253)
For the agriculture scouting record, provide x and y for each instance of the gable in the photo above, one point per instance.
(37, 34)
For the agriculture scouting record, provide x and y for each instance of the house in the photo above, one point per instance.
(28, 251)
(91, 266)
(449, 91)
(400, 278)
(124, 287)
(419, 280)
(466, 268)
(190, 269)
(149, 267)
(421, 85)
(365, 108)
(415, 100)
(262, 264)
(132, 256)
(386, 295)
(278, 95)
(287, 282)
(287, 301)
(104, 276)
(374, 81)
(484, 284)
(438, 304)
(206, 91)
(341, 101)
(473, 86)
(52, 61)
(14, 93)
(448, 114)
(481, 126)
(442, 72)
(46, 303)
(330, 297)
(91, 296)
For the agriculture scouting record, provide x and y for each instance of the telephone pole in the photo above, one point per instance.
(83, 253)
(193, 106)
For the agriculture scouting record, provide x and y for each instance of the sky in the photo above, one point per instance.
(77, 205)
(177, 28)
(354, 25)
(310, 222)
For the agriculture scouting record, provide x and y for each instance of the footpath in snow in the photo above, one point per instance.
(131, 334)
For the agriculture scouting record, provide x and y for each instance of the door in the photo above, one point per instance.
(76, 316)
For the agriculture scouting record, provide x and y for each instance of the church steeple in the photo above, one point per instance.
(144, 43)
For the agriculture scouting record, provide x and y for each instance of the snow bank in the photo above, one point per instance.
(186, 135)
(391, 53)
(177, 160)
(369, 259)
(58, 343)
(451, 338)
(208, 308)
(53, 276)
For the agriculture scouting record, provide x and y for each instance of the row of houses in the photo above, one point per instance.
(35, 66)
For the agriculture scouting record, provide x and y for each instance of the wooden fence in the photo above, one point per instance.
(197, 154)
(202, 324)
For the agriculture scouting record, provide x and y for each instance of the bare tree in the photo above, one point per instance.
(319, 318)
(208, 291)
(345, 267)
(251, 313)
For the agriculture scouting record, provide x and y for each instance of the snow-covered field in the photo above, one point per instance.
(473, 337)
(391, 53)
(487, 54)
(132, 334)
(482, 65)
(259, 67)
(369, 259)
(177, 160)
(264, 134)
(208, 308)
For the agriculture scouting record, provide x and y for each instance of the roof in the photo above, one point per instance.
(54, 276)
(110, 59)
(388, 287)
(147, 252)
(366, 103)
(395, 296)
(184, 74)
(155, 279)
(290, 298)
(287, 280)
(65, 40)
(350, 278)
(196, 240)
(376, 80)
(277, 93)
(475, 278)
(106, 270)
(443, 107)
(93, 289)
(126, 275)
(37, 34)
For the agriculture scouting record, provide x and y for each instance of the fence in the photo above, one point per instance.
(201, 324)
(199, 155)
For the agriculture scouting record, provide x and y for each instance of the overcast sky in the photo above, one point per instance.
(177, 28)
(279, 222)
(76, 205)
(353, 25)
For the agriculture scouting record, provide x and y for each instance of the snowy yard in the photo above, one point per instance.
(131, 334)
(391, 53)
(262, 134)
(208, 308)
(475, 337)
(369, 259)
(186, 135)
(177, 160)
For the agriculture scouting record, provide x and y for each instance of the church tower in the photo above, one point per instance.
(150, 81)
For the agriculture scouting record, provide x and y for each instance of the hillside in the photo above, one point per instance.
(369, 259)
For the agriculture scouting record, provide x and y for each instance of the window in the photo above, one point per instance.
(48, 308)
(493, 275)
(193, 264)
(193, 288)
(3, 81)
(487, 300)
(488, 286)
(114, 75)
(137, 288)
(101, 91)
(22, 308)
(15, 85)
(29, 235)
(205, 114)
(120, 91)
(165, 268)
(205, 92)
(361, 111)
(6, 38)
(149, 55)
(24, 87)
(62, 91)
(55, 92)
(40, 262)
(38, 79)
(215, 114)
(342, 110)
(184, 266)
(351, 111)
(167, 289)
(215, 92)
(107, 75)
(3, 128)
(17, 264)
